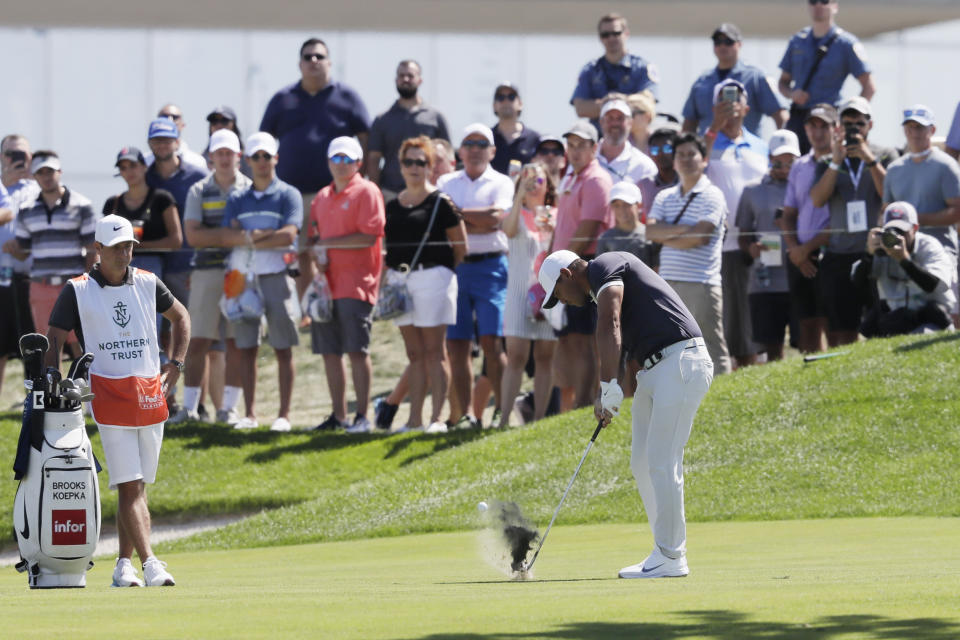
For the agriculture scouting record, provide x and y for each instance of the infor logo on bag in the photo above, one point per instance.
(69, 526)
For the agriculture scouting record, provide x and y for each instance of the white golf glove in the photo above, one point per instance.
(611, 396)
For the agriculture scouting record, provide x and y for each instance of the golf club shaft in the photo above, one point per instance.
(593, 439)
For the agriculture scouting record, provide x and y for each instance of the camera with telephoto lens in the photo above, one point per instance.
(890, 238)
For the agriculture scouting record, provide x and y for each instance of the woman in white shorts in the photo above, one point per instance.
(431, 281)
(528, 227)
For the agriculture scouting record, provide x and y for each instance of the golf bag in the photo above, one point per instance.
(56, 511)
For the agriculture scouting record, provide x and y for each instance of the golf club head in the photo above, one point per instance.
(80, 368)
(33, 349)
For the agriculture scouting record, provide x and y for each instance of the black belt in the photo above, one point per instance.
(480, 257)
(651, 360)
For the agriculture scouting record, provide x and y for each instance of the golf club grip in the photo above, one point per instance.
(596, 431)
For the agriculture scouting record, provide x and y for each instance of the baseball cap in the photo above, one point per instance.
(900, 215)
(506, 85)
(224, 139)
(616, 105)
(345, 145)
(728, 29)
(825, 112)
(784, 141)
(223, 111)
(582, 128)
(920, 114)
(163, 128)
(550, 271)
(729, 82)
(551, 138)
(858, 104)
(477, 128)
(130, 153)
(261, 141)
(41, 162)
(626, 191)
(112, 229)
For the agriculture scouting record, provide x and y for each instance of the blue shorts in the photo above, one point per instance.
(482, 290)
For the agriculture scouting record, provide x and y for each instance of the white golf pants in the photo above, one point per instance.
(664, 405)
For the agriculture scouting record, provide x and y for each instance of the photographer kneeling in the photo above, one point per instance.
(911, 272)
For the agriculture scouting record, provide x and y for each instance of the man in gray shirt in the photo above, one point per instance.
(409, 117)
(852, 186)
(929, 179)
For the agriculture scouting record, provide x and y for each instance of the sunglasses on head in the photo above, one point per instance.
(610, 34)
(261, 156)
(313, 57)
(500, 97)
(413, 162)
(482, 144)
(550, 151)
(664, 148)
(726, 42)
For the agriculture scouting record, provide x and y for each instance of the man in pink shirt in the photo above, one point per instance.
(582, 215)
(346, 220)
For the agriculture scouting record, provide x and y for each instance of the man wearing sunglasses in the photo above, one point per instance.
(698, 110)
(851, 185)
(662, 144)
(616, 71)
(261, 223)
(305, 116)
(513, 140)
(816, 63)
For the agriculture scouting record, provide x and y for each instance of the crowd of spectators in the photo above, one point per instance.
(300, 226)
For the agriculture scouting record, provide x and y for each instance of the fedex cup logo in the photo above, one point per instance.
(69, 526)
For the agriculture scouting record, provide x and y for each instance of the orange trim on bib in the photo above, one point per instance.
(128, 402)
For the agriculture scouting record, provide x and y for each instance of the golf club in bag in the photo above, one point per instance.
(56, 511)
(593, 438)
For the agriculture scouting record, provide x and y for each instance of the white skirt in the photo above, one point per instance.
(434, 293)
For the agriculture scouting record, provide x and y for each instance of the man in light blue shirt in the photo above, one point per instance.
(698, 110)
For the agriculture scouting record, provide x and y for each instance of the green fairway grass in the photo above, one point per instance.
(824, 579)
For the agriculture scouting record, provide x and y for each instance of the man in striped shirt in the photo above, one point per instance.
(57, 229)
(688, 221)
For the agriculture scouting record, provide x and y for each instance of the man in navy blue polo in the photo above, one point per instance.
(698, 110)
(616, 71)
(512, 139)
(844, 56)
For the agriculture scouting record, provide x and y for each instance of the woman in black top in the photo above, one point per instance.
(153, 212)
(431, 281)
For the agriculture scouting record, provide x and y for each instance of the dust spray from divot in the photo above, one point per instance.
(508, 538)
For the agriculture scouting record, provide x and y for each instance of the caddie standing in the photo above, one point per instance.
(113, 310)
(638, 312)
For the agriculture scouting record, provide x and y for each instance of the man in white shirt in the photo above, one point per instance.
(621, 159)
(483, 197)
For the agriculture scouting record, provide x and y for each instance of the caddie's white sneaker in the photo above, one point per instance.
(246, 423)
(437, 427)
(184, 415)
(124, 574)
(657, 565)
(155, 573)
(280, 424)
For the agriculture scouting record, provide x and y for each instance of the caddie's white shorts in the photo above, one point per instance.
(434, 292)
(133, 453)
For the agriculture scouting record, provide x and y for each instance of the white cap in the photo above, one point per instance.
(345, 145)
(550, 271)
(784, 141)
(112, 229)
(41, 162)
(616, 105)
(261, 141)
(856, 103)
(900, 215)
(477, 128)
(626, 191)
(920, 114)
(224, 139)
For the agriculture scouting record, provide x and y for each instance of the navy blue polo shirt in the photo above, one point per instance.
(306, 124)
(760, 96)
(522, 148)
(178, 185)
(846, 56)
(652, 316)
(631, 75)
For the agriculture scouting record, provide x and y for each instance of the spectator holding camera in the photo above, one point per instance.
(909, 272)
(851, 185)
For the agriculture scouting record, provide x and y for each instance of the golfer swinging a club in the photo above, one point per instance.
(113, 310)
(641, 316)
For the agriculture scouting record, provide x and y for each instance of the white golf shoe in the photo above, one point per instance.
(155, 573)
(125, 575)
(657, 565)
(280, 424)
(437, 427)
(246, 423)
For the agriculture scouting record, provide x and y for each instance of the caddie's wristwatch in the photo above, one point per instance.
(177, 364)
